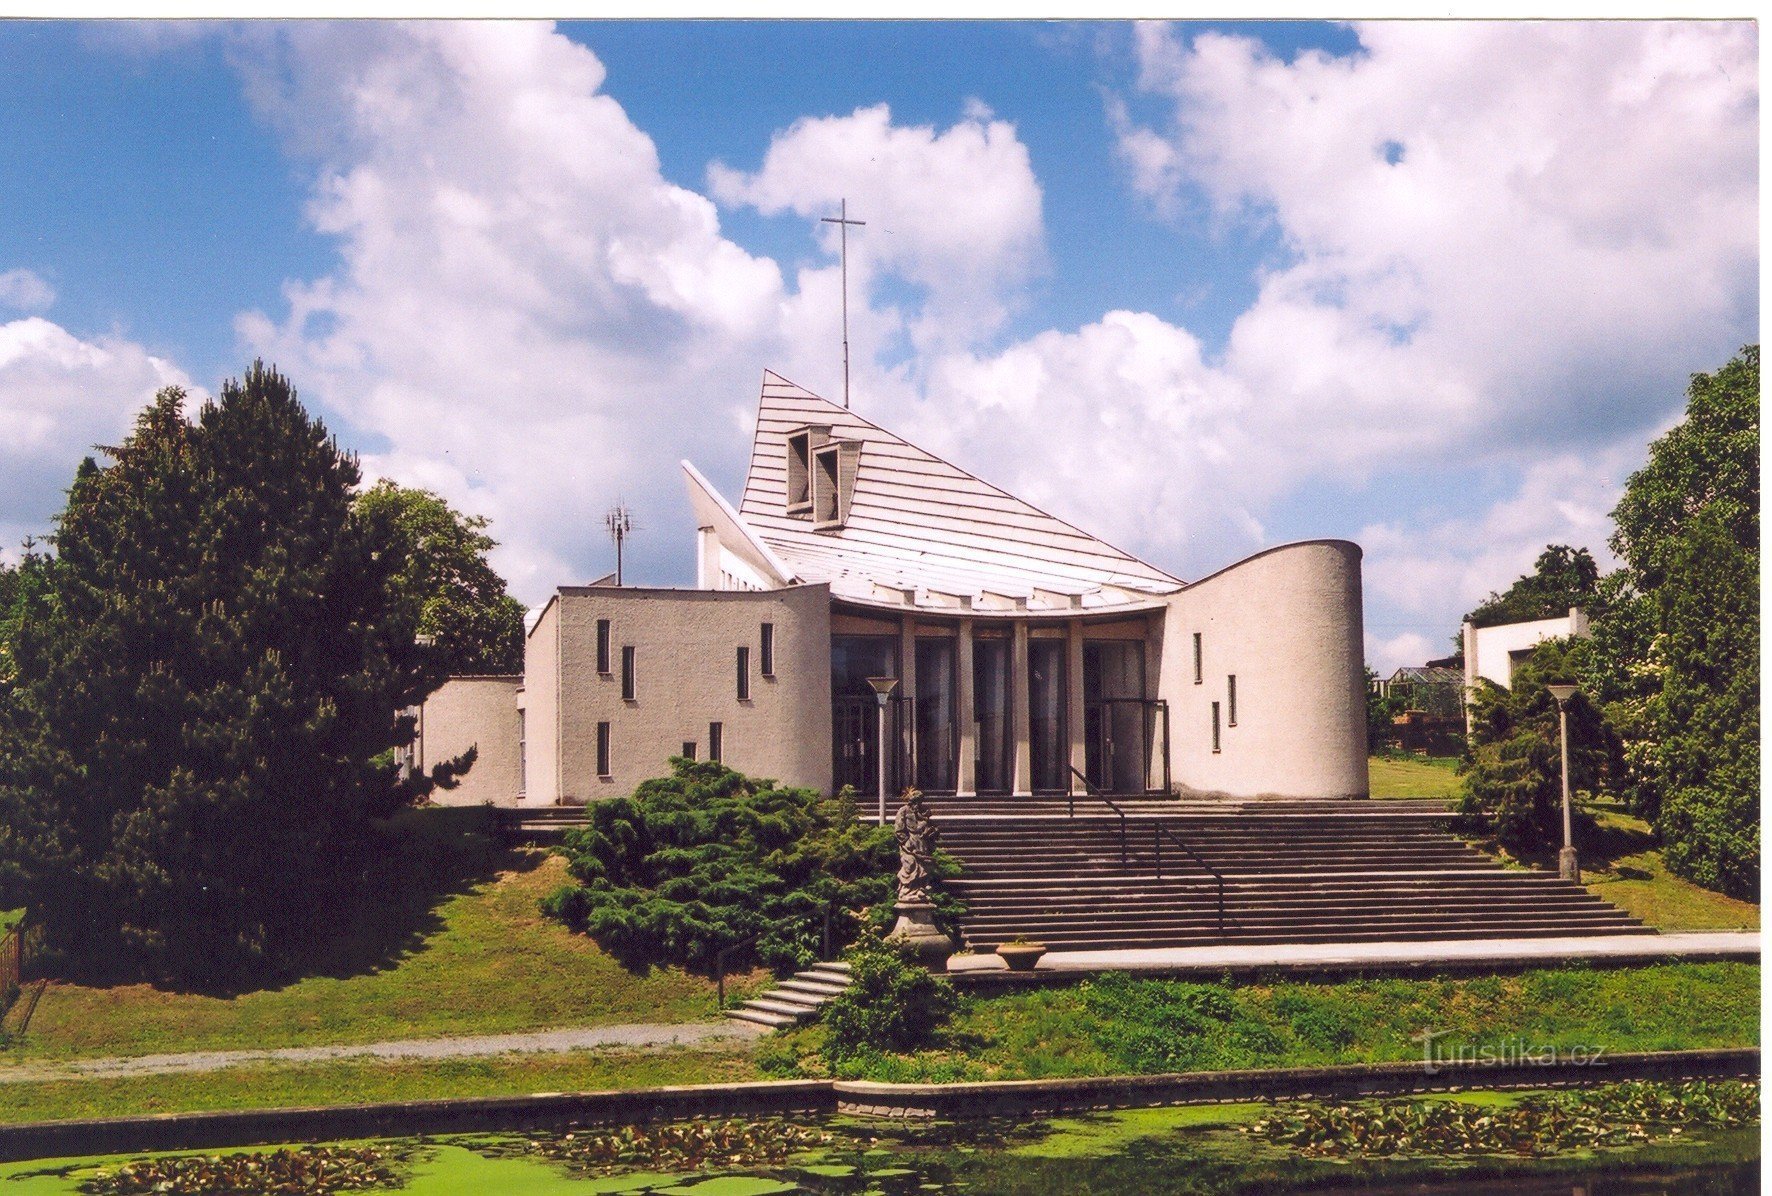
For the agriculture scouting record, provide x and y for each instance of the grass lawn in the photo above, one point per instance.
(1117, 1024)
(1392, 776)
(348, 1081)
(1628, 871)
(457, 947)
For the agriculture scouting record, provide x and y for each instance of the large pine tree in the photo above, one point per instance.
(204, 716)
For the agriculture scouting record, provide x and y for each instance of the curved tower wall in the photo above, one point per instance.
(1287, 624)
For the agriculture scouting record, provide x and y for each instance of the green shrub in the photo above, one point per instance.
(706, 857)
(892, 1004)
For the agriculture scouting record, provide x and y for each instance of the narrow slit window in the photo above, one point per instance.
(1230, 697)
(603, 749)
(1199, 662)
(716, 742)
(603, 646)
(630, 686)
(766, 651)
(744, 674)
(1215, 745)
(522, 752)
(689, 749)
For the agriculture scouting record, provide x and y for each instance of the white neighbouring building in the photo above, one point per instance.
(1490, 653)
(1028, 654)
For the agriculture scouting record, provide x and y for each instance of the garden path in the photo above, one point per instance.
(643, 1036)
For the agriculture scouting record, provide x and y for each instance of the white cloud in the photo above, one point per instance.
(1498, 236)
(24, 290)
(60, 396)
(537, 322)
(1429, 574)
(957, 213)
(1120, 426)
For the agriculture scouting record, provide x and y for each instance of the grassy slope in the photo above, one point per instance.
(1628, 871)
(1393, 777)
(350, 1081)
(1079, 1030)
(457, 947)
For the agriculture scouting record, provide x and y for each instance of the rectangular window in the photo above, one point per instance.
(827, 500)
(1199, 662)
(603, 646)
(603, 749)
(689, 749)
(1230, 685)
(630, 686)
(716, 741)
(1215, 728)
(766, 651)
(522, 752)
(799, 494)
(744, 674)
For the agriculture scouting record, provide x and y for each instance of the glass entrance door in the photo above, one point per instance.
(937, 724)
(990, 709)
(1116, 748)
(1049, 749)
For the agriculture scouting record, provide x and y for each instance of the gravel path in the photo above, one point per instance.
(641, 1036)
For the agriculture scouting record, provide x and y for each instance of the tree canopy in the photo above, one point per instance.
(1689, 533)
(1562, 577)
(474, 624)
(204, 713)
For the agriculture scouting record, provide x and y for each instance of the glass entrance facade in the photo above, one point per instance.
(938, 727)
(1116, 750)
(1049, 749)
(990, 710)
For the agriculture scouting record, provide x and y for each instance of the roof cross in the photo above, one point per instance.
(842, 221)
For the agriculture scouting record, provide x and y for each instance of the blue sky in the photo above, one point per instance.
(1199, 288)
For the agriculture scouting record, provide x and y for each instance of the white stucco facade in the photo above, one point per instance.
(1491, 652)
(1029, 656)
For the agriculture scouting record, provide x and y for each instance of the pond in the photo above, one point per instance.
(1202, 1149)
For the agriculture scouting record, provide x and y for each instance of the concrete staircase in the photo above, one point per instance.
(793, 1001)
(1291, 873)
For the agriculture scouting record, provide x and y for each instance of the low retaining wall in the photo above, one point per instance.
(558, 1110)
(1021, 1097)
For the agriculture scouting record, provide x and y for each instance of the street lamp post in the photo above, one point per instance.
(1568, 867)
(883, 687)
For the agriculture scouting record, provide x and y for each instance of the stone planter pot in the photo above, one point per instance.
(1021, 957)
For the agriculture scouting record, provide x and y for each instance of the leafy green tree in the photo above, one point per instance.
(1514, 779)
(1562, 577)
(892, 1004)
(474, 624)
(203, 724)
(1380, 710)
(706, 857)
(1688, 528)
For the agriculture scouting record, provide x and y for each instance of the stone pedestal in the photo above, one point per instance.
(1567, 865)
(916, 929)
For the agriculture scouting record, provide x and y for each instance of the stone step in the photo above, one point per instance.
(773, 1021)
(811, 988)
(1131, 942)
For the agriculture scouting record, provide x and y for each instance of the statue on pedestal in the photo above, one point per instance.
(917, 835)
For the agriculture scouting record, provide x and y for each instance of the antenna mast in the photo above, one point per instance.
(842, 221)
(619, 522)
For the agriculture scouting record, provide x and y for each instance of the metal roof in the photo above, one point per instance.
(921, 532)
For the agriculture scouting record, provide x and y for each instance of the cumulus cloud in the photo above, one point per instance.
(60, 396)
(535, 322)
(24, 290)
(956, 213)
(1498, 235)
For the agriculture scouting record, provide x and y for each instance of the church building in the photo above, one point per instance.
(1022, 655)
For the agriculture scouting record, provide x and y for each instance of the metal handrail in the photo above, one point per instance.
(1090, 790)
(1159, 832)
(725, 952)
